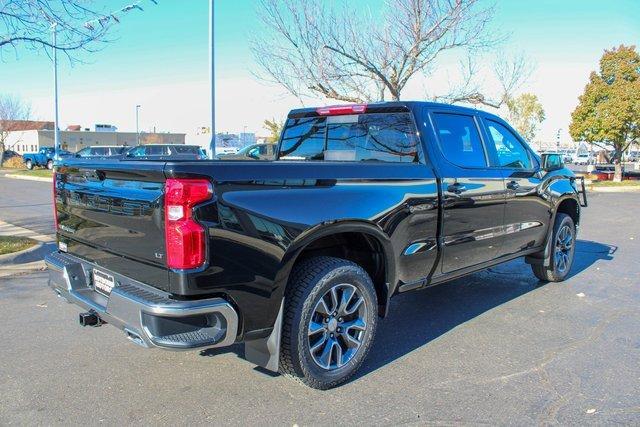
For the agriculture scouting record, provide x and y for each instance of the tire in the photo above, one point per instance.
(560, 257)
(49, 164)
(29, 164)
(310, 338)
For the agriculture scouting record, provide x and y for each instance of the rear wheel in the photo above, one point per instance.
(560, 257)
(329, 321)
(50, 164)
(29, 164)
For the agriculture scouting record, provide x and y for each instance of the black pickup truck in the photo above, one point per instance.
(298, 256)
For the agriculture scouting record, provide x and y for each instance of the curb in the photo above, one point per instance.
(617, 189)
(28, 178)
(33, 254)
(7, 259)
(13, 270)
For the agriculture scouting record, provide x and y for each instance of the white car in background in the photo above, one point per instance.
(223, 151)
(582, 159)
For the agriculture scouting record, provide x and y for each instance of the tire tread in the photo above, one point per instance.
(301, 283)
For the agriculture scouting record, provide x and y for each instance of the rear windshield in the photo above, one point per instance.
(377, 137)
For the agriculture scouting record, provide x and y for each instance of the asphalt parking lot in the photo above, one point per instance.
(497, 347)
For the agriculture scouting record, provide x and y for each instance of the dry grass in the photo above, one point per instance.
(10, 244)
(14, 163)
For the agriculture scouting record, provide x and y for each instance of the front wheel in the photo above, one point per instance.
(50, 164)
(329, 321)
(29, 164)
(560, 257)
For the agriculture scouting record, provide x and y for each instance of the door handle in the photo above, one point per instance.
(456, 188)
(513, 185)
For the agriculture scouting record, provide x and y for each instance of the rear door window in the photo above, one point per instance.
(459, 140)
(374, 137)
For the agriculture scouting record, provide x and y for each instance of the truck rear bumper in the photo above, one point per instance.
(149, 317)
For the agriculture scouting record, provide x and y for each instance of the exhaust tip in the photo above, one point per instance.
(135, 338)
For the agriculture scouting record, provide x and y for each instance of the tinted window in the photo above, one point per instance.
(372, 137)
(511, 152)
(186, 149)
(303, 139)
(156, 150)
(136, 152)
(84, 152)
(459, 140)
(364, 137)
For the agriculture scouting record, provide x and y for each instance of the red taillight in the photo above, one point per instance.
(55, 208)
(185, 237)
(338, 110)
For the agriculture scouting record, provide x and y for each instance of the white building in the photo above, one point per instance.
(27, 137)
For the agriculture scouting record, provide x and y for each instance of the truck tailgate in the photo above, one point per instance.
(111, 213)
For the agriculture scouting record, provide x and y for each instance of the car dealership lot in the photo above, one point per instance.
(495, 347)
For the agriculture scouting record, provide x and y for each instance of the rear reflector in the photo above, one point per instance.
(337, 110)
(184, 236)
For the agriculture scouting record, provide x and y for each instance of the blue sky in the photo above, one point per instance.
(159, 59)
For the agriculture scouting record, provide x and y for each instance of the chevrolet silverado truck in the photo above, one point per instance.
(298, 256)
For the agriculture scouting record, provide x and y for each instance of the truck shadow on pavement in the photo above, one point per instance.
(416, 318)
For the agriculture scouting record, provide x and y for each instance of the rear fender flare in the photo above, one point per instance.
(336, 227)
(265, 351)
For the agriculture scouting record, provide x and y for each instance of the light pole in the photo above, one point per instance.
(137, 126)
(56, 131)
(212, 82)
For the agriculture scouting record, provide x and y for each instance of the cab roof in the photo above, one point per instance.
(381, 107)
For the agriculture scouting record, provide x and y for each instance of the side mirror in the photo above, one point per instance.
(552, 162)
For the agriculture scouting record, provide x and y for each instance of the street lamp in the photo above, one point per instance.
(137, 127)
(56, 131)
(212, 82)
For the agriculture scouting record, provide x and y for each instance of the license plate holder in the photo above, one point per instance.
(103, 283)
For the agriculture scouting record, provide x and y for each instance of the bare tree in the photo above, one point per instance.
(314, 49)
(28, 24)
(12, 108)
(509, 73)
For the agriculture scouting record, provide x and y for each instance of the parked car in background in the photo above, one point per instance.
(44, 157)
(254, 152)
(582, 159)
(567, 155)
(166, 152)
(299, 256)
(102, 151)
(225, 151)
(633, 156)
(9, 154)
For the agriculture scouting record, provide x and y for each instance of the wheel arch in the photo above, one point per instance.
(570, 206)
(265, 351)
(371, 249)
